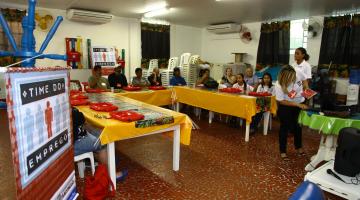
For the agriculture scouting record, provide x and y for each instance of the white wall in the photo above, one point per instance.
(123, 33)
(185, 39)
(218, 48)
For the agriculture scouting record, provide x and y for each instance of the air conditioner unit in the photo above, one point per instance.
(88, 16)
(224, 28)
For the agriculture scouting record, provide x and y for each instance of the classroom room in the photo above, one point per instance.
(179, 99)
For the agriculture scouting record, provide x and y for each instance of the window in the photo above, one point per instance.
(298, 35)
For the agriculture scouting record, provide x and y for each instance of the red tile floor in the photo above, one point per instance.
(218, 164)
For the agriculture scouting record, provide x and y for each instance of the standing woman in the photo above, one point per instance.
(288, 91)
(301, 57)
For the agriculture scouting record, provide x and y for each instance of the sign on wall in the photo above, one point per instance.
(74, 52)
(39, 121)
(105, 57)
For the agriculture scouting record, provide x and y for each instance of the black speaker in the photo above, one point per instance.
(347, 157)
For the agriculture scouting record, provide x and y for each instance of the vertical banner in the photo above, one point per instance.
(105, 57)
(74, 52)
(41, 135)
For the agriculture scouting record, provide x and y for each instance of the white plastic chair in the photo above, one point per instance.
(167, 74)
(153, 63)
(81, 164)
(184, 59)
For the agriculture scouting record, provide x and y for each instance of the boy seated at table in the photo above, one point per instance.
(96, 81)
(155, 77)
(117, 80)
(86, 139)
(177, 79)
(138, 80)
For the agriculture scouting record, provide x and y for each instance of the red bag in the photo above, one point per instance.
(157, 88)
(230, 90)
(97, 186)
(127, 116)
(103, 107)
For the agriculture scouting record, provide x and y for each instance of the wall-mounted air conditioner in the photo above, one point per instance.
(224, 28)
(88, 16)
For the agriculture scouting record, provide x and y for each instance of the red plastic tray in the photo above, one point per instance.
(95, 90)
(78, 96)
(157, 88)
(103, 107)
(78, 102)
(260, 94)
(132, 88)
(231, 90)
(127, 116)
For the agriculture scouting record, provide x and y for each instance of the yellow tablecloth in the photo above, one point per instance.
(115, 130)
(236, 105)
(153, 97)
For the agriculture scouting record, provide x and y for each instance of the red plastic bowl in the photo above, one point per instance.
(127, 116)
(103, 107)
(78, 102)
(231, 90)
(157, 88)
(132, 88)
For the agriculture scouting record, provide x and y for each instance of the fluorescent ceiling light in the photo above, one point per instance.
(156, 12)
(155, 6)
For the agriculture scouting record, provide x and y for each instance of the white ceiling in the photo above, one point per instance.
(201, 13)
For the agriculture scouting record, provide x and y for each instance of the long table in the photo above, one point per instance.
(241, 106)
(329, 128)
(153, 97)
(114, 130)
(230, 104)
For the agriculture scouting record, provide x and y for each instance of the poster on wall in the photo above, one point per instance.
(41, 139)
(105, 57)
(74, 52)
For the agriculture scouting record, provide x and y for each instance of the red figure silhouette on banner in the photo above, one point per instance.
(49, 118)
(104, 56)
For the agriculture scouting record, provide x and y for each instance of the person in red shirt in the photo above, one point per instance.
(49, 118)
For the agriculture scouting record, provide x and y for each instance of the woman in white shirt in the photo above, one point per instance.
(301, 58)
(288, 91)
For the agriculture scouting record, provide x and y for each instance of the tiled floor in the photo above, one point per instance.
(217, 165)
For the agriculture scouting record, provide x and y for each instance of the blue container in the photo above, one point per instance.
(354, 77)
(2, 105)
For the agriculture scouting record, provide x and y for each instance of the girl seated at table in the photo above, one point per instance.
(288, 90)
(264, 86)
(86, 140)
(241, 84)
